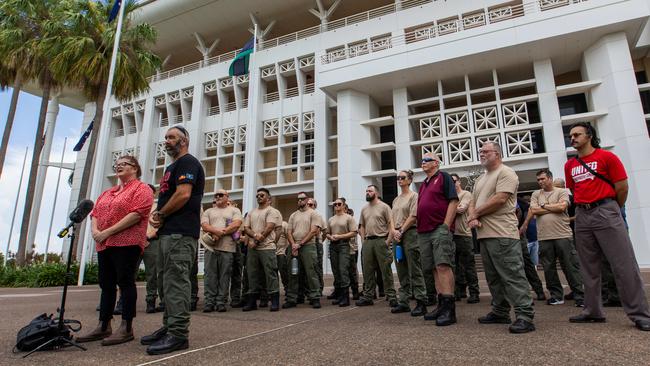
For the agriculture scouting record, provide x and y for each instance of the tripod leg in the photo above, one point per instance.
(73, 343)
(58, 340)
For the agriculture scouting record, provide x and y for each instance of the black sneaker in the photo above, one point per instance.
(208, 308)
(393, 303)
(400, 308)
(586, 319)
(521, 326)
(153, 337)
(492, 318)
(364, 302)
(580, 303)
(221, 308)
(473, 299)
(315, 304)
(288, 305)
(554, 301)
(167, 344)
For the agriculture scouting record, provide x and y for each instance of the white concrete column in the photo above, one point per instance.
(322, 189)
(550, 113)
(403, 130)
(194, 126)
(148, 140)
(623, 128)
(50, 125)
(352, 108)
(254, 138)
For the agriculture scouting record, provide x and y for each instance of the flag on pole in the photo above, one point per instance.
(84, 137)
(239, 65)
(114, 11)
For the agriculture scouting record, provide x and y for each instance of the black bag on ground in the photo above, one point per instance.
(42, 329)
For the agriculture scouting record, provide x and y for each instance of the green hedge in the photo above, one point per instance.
(47, 275)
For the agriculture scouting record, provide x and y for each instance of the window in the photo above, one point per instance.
(572, 104)
(309, 153)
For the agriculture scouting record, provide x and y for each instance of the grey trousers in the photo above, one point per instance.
(216, 277)
(601, 232)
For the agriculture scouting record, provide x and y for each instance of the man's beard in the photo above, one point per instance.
(174, 150)
(369, 198)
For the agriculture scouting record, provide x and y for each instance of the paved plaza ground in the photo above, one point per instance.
(334, 336)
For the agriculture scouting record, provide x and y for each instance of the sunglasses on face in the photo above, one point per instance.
(402, 177)
(310, 204)
(338, 204)
(427, 160)
(219, 195)
(302, 198)
(260, 195)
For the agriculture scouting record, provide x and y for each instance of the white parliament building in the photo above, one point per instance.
(346, 93)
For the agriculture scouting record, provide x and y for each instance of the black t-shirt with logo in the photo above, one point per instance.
(187, 220)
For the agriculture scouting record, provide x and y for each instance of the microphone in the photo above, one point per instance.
(81, 211)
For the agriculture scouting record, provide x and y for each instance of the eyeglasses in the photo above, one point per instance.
(122, 165)
(302, 198)
(402, 177)
(310, 204)
(576, 134)
(485, 152)
(219, 195)
(338, 204)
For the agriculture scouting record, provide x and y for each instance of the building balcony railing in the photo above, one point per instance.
(309, 88)
(213, 111)
(468, 21)
(291, 92)
(170, 121)
(271, 97)
(230, 107)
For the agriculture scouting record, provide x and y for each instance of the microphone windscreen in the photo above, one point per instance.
(81, 211)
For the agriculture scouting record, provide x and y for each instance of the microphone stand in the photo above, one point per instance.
(64, 337)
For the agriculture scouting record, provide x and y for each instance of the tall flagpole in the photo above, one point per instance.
(95, 183)
(56, 195)
(250, 184)
(13, 217)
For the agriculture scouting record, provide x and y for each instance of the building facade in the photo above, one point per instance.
(350, 102)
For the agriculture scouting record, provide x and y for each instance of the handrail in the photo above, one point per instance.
(470, 20)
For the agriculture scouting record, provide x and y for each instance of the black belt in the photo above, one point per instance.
(372, 237)
(589, 206)
(337, 242)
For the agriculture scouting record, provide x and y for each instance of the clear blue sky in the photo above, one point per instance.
(22, 135)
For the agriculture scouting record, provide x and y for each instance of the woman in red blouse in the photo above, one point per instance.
(119, 226)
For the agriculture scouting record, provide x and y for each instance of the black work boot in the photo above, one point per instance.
(275, 302)
(251, 303)
(447, 315)
(344, 300)
(334, 295)
(433, 315)
(420, 309)
(355, 293)
(151, 307)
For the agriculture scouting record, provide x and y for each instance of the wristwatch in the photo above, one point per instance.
(542, 205)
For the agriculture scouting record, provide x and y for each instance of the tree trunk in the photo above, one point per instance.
(10, 121)
(21, 257)
(86, 178)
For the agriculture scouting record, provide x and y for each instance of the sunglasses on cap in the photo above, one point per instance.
(427, 160)
(182, 129)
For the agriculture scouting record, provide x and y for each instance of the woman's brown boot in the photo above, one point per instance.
(102, 331)
(123, 334)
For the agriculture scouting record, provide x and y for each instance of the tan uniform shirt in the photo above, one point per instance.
(300, 223)
(257, 220)
(552, 225)
(502, 223)
(375, 219)
(219, 218)
(403, 207)
(341, 224)
(283, 242)
(460, 225)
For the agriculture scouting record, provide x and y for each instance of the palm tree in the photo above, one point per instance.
(29, 21)
(82, 56)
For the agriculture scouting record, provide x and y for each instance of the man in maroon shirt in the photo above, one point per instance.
(599, 184)
(437, 202)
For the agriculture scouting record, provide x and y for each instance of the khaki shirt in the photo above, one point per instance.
(375, 219)
(300, 223)
(503, 222)
(552, 225)
(283, 242)
(460, 225)
(341, 224)
(403, 207)
(219, 218)
(257, 220)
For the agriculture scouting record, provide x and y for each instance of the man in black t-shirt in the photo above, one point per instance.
(178, 221)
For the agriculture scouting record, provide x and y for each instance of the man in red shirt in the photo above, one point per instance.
(599, 184)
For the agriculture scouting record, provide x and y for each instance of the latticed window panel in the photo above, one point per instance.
(450, 26)
(515, 114)
(549, 4)
(130, 151)
(480, 140)
(116, 112)
(174, 97)
(307, 61)
(114, 156)
(460, 151)
(128, 108)
(271, 129)
(308, 121)
(430, 128)
(499, 14)
(290, 125)
(268, 71)
(188, 93)
(228, 137)
(140, 106)
(160, 100)
(433, 149)
(160, 150)
(212, 140)
(519, 143)
(457, 123)
(287, 66)
(486, 119)
(210, 87)
(241, 134)
(226, 82)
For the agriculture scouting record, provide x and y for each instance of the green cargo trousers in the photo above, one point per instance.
(262, 264)
(377, 256)
(236, 275)
(283, 270)
(150, 270)
(216, 276)
(175, 259)
(504, 271)
(319, 265)
(530, 269)
(549, 252)
(465, 274)
(340, 259)
(409, 270)
(308, 260)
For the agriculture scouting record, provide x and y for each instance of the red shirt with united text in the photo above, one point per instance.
(588, 188)
(114, 204)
